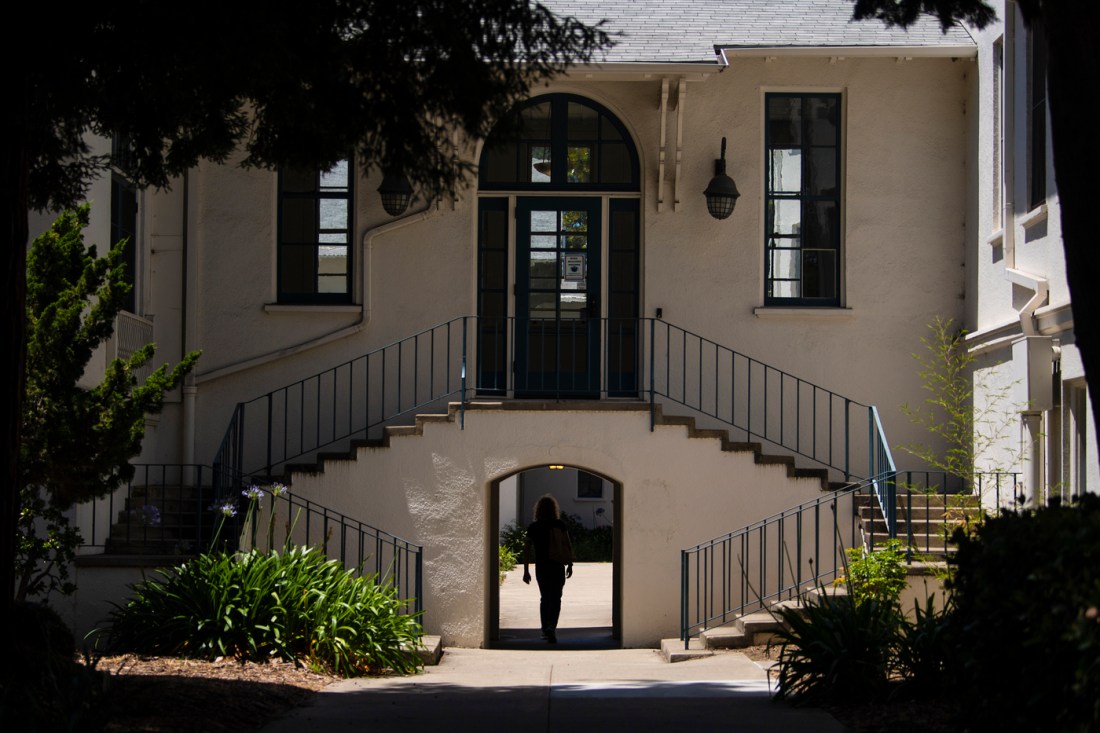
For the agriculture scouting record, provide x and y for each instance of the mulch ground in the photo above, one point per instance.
(166, 695)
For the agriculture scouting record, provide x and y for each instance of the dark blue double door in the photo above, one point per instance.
(564, 339)
(557, 302)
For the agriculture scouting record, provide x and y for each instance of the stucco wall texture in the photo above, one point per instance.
(436, 488)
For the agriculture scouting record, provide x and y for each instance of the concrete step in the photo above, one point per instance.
(673, 650)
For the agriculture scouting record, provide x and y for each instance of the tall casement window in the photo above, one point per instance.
(124, 206)
(315, 235)
(1037, 114)
(124, 211)
(802, 258)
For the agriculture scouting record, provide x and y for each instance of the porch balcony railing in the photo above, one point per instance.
(642, 358)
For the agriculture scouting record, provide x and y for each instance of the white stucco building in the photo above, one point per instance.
(588, 312)
(1028, 374)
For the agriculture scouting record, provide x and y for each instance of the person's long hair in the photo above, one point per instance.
(547, 508)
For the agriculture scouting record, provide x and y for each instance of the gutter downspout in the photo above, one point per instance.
(190, 391)
(342, 333)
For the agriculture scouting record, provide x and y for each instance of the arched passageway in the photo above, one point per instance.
(591, 617)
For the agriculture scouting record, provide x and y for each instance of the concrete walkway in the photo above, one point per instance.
(567, 687)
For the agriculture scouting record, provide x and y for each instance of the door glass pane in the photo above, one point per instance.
(575, 241)
(542, 305)
(543, 241)
(574, 221)
(573, 305)
(544, 221)
(543, 270)
(785, 174)
(336, 178)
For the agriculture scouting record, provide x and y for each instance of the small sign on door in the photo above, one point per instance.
(574, 267)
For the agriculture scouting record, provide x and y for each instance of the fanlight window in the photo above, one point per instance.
(561, 142)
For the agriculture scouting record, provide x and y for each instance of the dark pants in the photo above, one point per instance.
(551, 580)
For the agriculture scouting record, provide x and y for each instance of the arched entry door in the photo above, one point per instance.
(558, 254)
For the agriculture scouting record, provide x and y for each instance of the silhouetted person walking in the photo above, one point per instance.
(553, 562)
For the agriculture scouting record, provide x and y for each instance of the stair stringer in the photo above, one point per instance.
(433, 482)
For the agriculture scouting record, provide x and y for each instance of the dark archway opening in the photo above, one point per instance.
(591, 616)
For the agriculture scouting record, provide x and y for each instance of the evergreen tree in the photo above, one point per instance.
(77, 440)
(405, 85)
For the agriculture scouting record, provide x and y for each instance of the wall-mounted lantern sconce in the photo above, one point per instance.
(721, 192)
(396, 192)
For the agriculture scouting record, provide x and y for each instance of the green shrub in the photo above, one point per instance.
(835, 650)
(507, 561)
(513, 536)
(878, 575)
(589, 545)
(1027, 593)
(42, 686)
(296, 605)
(927, 650)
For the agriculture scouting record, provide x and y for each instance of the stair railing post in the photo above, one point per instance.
(462, 394)
(238, 467)
(652, 377)
(684, 598)
(269, 429)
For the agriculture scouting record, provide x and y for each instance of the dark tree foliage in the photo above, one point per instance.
(1073, 67)
(905, 12)
(76, 440)
(403, 84)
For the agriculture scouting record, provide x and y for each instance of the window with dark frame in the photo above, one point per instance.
(802, 199)
(1037, 114)
(315, 235)
(559, 142)
(589, 486)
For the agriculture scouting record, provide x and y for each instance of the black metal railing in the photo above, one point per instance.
(171, 510)
(553, 359)
(766, 404)
(932, 504)
(165, 509)
(280, 518)
(775, 559)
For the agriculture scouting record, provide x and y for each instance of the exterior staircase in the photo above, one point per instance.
(753, 629)
(925, 522)
(162, 520)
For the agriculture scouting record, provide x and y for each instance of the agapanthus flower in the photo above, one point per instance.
(278, 489)
(227, 509)
(253, 492)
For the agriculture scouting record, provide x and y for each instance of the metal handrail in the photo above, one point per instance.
(774, 559)
(169, 510)
(764, 403)
(283, 518)
(352, 400)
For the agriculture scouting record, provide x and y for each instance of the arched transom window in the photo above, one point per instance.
(559, 142)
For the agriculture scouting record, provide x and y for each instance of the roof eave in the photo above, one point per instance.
(940, 51)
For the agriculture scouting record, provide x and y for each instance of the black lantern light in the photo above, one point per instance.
(721, 192)
(396, 192)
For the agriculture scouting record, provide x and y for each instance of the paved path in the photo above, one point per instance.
(570, 687)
